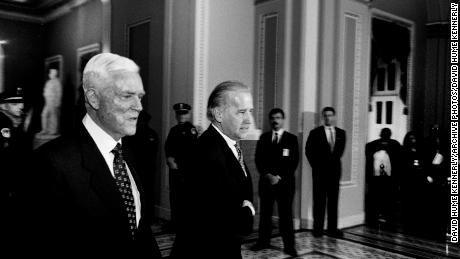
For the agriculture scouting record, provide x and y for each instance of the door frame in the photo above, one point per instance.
(410, 25)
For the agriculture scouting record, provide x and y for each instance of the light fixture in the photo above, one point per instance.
(2, 42)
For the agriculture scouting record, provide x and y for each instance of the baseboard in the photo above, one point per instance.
(343, 222)
(275, 222)
(306, 223)
(162, 212)
(351, 221)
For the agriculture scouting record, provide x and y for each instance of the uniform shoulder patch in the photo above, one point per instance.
(6, 132)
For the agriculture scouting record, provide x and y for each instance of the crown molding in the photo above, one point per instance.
(21, 17)
(41, 19)
(65, 9)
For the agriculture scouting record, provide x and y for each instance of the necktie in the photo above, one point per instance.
(240, 157)
(124, 186)
(331, 139)
(275, 139)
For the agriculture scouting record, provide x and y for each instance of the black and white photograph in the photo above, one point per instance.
(229, 129)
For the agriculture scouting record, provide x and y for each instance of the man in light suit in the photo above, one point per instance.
(220, 186)
(89, 201)
(277, 156)
(324, 149)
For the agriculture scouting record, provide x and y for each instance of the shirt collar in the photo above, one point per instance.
(229, 141)
(104, 141)
(280, 132)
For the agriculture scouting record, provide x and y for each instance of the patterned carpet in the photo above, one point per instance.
(358, 242)
(410, 245)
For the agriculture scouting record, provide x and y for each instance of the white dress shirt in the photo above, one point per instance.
(105, 143)
(279, 132)
(231, 143)
(329, 130)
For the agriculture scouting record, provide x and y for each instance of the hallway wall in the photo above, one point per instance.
(205, 44)
(63, 36)
(23, 63)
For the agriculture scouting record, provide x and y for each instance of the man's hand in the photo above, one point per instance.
(274, 179)
(172, 163)
(199, 129)
(247, 203)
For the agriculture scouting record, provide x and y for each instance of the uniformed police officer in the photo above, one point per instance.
(179, 147)
(13, 152)
(12, 137)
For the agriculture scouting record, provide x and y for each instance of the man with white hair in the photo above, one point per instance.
(88, 199)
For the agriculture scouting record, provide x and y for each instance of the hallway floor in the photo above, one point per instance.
(358, 242)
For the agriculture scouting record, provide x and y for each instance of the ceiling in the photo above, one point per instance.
(31, 7)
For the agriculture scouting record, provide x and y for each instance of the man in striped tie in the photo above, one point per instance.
(324, 149)
(220, 186)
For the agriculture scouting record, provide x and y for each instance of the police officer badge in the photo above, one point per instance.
(193, 130)
(6, 133)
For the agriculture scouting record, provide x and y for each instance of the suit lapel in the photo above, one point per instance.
(229, 156)
(322, 132)
(100, 178)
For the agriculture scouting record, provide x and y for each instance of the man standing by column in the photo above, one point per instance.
(277, 156)
(324, 149)
(179, 147)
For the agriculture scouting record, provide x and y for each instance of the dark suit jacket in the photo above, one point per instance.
(217, 188)
(319, 154)
(77, 209)
(281, 159)
(393, 149)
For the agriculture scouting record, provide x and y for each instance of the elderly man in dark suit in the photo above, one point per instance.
(277, 157)
(88, 196)
(324, 149)
(220, 187)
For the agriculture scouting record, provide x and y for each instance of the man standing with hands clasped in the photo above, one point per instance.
(324, 149)
(179, 147)
(277, 156)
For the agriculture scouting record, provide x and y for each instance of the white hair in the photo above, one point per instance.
(102, 65)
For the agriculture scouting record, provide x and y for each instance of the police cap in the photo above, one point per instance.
(12, 96)
(181, 108)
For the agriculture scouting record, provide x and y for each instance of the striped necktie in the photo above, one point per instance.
(240, 158)
(331, 139)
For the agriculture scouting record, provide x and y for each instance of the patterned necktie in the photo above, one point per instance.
(240, 158)
(124, 186)
(331, 136)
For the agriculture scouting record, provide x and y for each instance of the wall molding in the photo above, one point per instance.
(356, 130)
(54, 14)
(201, 62)
(351, 221)
(344, 222)
(2, 68)
(127, 32)
(261, 65)
(106, 25)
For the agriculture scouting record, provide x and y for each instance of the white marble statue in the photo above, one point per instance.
(52, 93)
